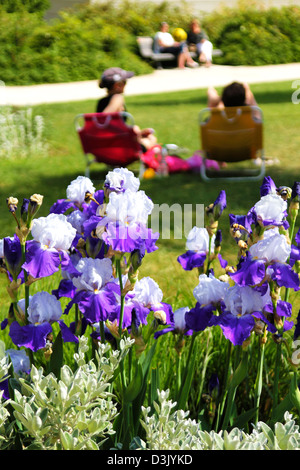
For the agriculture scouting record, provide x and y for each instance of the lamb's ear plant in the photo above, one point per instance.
(168, 428)
(75, 412)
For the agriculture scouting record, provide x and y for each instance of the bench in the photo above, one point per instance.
(145, 44)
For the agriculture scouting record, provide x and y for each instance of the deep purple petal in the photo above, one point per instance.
(5, 388)
(283, 308)
(268, 186)
(297, 328)
(30, 336)
(236, 329)
(39, 262)
(95, 307)
(295, 254)
(159, 333)
(13, 255)
(92, 207)
(285, 276)
(66, 288)
(270, 326)
(223, 262)
(287, 325)
(219, 204)
(296, 191)
(250, 273)
(61, 206)
(191, 259)
(199, 318)
(67, 335)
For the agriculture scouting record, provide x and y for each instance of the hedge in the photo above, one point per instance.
(85, 40)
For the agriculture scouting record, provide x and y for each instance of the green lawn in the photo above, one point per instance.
(174, 116)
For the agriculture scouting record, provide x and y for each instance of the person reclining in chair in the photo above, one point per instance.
(234, 94)
(114, 80)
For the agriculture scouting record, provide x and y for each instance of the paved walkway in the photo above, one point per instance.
(159, 81)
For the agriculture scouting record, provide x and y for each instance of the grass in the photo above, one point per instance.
(174, 117)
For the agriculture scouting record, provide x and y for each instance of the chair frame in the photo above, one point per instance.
(243, 174)
(90, 160)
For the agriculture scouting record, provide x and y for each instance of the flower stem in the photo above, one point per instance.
(276, 376)
(224, 385)
(258, 382)
(119, 273)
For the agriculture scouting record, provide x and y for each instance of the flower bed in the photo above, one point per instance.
(117, 323)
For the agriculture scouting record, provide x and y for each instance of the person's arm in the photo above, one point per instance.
(116, 104)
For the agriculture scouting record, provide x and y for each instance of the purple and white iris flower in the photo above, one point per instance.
(76, 195)
(209, 294)
(197, 246)
(210, 290)
(134, 311)
(95, 289)
(77, 189)
(242, 304)
(43, 310)
(126, 221)
(267, 260)
(177, 325)
(52, 237)
(149, 295)
(120, 180)
(271, 210)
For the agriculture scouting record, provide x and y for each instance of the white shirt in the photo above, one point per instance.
(166, 38)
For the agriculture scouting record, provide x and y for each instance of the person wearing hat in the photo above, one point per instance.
(114, 80)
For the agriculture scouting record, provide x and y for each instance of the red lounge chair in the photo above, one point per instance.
(109, 138)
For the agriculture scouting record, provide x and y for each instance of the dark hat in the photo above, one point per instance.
(114, 75)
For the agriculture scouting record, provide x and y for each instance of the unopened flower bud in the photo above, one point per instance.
(285, 192)
(36, 200)
(12, 203)
(160, 316)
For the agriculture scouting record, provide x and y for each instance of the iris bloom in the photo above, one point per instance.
(197, 246)
(126, 221)
(95, 289)
(120, 180)
(267, 260)
(241, 306)
(52, 237)
(271, 210)
(210, 290)
(43, 310)
(76, 197)
(177, 325)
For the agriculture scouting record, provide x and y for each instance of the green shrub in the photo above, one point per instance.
(32, 6)
(252, 36)
(85, 40)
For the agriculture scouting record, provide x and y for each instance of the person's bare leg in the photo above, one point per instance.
(181, 60)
